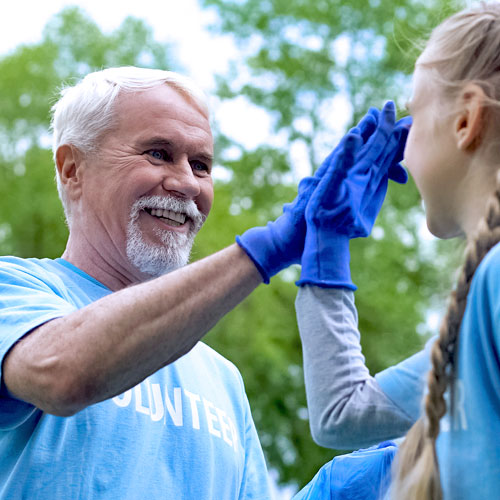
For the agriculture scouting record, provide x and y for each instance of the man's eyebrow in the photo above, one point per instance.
(156, 141)
(206, 157)
(160, 141)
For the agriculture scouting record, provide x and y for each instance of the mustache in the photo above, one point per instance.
(169, 202)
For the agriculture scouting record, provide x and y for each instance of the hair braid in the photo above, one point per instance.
(417, 476)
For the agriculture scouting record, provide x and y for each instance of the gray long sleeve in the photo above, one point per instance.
(347, 407)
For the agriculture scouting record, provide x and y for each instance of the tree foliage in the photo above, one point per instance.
(31, 218)
(297, 58)
(290, 50)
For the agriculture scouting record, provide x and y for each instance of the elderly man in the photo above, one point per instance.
(106, 392)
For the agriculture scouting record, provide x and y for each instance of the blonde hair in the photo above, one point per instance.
(464, 48)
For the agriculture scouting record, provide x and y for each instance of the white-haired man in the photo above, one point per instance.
(133, 150)
(106, 392)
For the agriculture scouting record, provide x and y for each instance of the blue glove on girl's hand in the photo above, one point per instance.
(281, 243)
(348, 199)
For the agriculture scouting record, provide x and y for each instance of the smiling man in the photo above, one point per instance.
(97, 398)
(140, 199)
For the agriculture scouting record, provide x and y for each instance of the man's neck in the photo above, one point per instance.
(104, 267)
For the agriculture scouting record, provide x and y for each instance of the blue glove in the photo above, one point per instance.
(348, 199)
(281, 243)
(361, 475)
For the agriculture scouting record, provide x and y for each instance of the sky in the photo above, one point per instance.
(203, 55)
(22, 21)
(178, 22)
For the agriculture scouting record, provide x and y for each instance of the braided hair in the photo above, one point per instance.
(475, 34)
(417, 474)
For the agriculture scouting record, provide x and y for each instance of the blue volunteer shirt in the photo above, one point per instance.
(468, 447)
(185, 432)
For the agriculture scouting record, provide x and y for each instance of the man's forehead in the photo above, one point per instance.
(159, 112)
(162, 97)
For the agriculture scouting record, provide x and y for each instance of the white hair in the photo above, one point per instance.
(86, 111)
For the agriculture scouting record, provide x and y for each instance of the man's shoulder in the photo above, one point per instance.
(29, 277)
(53, 276)
(11, 265)
(212, 356)
(13, 261)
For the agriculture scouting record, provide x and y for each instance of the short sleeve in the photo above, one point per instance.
(255, 482)
(404, 384)
(29, 297)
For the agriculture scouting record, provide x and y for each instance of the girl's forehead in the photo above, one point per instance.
(429, 54)
(423, 82)
(416, 83)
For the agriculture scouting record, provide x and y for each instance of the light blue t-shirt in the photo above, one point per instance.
(468, 446)
(186, 432)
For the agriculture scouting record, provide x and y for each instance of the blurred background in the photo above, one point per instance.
(286, 78)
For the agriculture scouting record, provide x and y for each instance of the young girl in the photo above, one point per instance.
(453, 154)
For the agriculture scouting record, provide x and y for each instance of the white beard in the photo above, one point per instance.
(158, 259)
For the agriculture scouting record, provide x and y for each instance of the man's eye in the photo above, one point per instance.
(158, 154)
(200, 166)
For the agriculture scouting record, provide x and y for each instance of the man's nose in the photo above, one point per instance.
(181, 180)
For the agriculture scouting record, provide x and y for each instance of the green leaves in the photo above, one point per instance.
(31, 218)
(298, 56)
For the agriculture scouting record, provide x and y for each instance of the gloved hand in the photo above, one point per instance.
(364, 474)
(280, 243)
(348, 199)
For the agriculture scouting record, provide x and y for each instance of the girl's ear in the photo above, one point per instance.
(68, 163)
(470, 121)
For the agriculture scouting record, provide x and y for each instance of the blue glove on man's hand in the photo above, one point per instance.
(280, 243)
(348, 198)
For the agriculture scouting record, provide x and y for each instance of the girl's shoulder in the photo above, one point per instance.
(491, 261)
(487, 276)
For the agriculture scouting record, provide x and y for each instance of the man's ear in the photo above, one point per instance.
(69, 165)
(471, 120)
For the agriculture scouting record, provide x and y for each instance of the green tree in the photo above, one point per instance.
(31, 217)
(287, 46)
(297, 59)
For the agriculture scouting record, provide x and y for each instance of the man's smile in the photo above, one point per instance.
(172, 218)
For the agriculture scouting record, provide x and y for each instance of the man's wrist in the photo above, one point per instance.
(243, 244)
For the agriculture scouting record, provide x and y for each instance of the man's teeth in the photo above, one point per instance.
(176, 217)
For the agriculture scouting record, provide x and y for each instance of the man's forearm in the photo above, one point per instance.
(111, 345)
